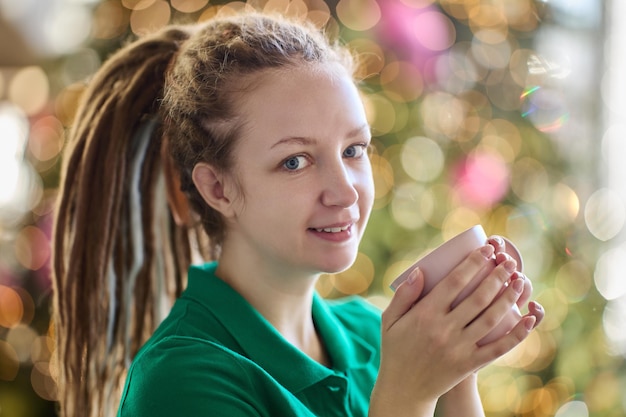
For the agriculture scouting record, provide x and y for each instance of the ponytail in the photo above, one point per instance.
(119, 258)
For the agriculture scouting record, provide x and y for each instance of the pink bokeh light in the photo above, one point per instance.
(417, 33)
(481, 179)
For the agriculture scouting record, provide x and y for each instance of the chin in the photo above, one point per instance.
(338, 266)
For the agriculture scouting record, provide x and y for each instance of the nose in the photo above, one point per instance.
(339, 186)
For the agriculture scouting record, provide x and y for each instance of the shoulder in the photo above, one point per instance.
(190, 376)
(177, 362)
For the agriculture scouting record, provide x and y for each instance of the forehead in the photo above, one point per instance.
(293, 77)
(301, 99)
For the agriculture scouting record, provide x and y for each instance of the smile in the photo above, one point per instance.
(333, 229)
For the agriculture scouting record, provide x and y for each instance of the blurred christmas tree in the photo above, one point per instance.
(482, 112)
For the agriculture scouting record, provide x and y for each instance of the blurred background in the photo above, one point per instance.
(508, 113)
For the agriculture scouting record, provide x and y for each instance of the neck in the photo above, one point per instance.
(282, 297)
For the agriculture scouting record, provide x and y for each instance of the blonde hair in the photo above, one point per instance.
(120, 259)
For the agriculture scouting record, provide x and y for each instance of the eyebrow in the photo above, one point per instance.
(300, 140)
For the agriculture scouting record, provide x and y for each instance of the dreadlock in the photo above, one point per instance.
(120, 257)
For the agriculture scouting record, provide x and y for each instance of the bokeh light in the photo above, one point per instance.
(422, 159)
(148, 19)
(434, 30)
(613, 320)
(138, 4)
(573, 409)
(481, 179)
(29, 89)
(110, 20)
(605, 214)
(32, 248)
(402, 80)
(11, 307)
(608, 276)
(546, 108)
(20, 185)
(46, 141)
(67, 28)
(189, 6)
(14, 127)
(358, 15)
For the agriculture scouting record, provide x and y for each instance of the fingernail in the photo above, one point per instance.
(530, 323)
(412, 276)
(518, 285)
(487, 251)
(499, 240)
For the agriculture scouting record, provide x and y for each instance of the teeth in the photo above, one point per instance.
(333, 229)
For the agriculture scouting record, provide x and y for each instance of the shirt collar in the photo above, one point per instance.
(260, 341)
(347, 350)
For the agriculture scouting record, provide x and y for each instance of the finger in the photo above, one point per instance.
(450, 287)
(503, 245)
(404, 298)
(503, 257)
(498, 243)
(526, 292)
(486, 292)
(494, 314)
(503, 345)
(528, 286)
(536, 310)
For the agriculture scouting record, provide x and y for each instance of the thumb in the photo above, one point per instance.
(405, 297)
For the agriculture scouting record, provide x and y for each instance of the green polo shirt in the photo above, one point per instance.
(215, 355)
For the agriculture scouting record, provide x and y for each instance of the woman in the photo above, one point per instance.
(258, 121)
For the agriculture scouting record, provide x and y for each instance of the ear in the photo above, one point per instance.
(212, 186)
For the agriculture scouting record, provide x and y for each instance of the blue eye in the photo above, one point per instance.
(354, 151)
(295, 163)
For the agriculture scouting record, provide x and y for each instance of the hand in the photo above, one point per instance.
(464, 396)
(428, 347)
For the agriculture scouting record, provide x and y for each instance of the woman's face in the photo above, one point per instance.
(305, 187)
